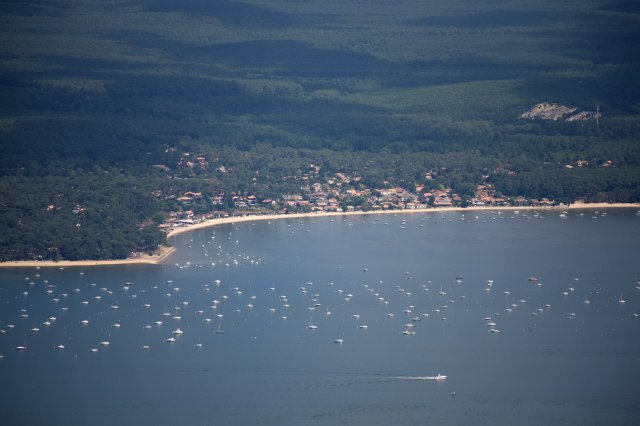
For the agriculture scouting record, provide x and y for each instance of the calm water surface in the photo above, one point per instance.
(261, 305)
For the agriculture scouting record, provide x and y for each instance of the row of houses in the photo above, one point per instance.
(342, 194)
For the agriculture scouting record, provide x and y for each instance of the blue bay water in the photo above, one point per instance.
(410, 296)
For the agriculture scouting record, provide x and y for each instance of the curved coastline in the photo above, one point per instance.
(164, 252)
(249, 218)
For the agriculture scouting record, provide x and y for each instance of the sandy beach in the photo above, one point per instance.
(164, 252)
(237, 219)
(139, 259)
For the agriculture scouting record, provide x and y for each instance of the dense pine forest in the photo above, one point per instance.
(118, 115)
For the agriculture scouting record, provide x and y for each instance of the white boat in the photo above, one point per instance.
(177, 331)
(338, 341)
(170, 340)
(436, 377)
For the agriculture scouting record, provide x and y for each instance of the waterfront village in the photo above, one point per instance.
(339, 193)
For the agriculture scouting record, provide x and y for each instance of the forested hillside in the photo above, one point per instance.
(108, 104)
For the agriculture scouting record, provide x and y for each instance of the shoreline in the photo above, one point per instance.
(164, 252)
(139, 259)
(236, 219)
